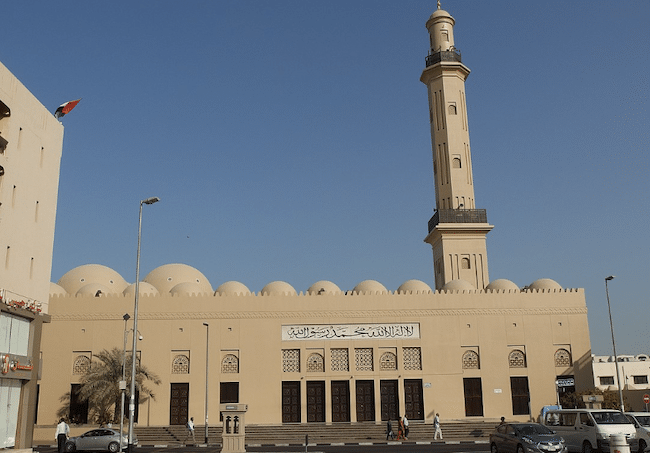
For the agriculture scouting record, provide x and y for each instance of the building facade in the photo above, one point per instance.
(634, 372)
(468, 348)
(31, 141)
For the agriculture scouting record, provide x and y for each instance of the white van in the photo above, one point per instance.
(585, 430)
(641, 421)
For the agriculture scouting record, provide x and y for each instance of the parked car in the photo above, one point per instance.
(104, 439)
(641, 422)
(525, 438)
(586, 430)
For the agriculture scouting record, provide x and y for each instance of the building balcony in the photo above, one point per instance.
(443, 55)
(457, 216)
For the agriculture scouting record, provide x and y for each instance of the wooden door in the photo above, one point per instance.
(389, 400)
(413, 399)
(520, 395)
(365, 391)
(315, 401)
(340, 401)
(178, 403)
(473, 397)
(291, 402)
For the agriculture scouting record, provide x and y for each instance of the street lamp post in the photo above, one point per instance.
(150, 200)
(123, 381)
(207, 355)
(611, 326)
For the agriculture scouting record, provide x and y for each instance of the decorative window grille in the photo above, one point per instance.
(81, 365)
(315, 363)
(181, 364)
(562, 358)
(517, 359)
(363, 359)
(388, 361)
(291, 360)
(470, 360)
(412, 359)
(230, 364)
(340, 359)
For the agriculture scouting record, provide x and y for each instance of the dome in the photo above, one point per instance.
(165, 277)
(232, 288)
(56, 290)
(502, 284)
(458, 285)
(278, 287)
(323, 287)
(370, 286)
(440, 13)
(143, 287)
(188, 289)
(73, 280)
(93, 289)
(545, 284)
(414, 286)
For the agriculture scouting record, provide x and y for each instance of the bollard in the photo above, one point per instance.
(618, 444)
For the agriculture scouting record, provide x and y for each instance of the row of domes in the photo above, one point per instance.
(181, 279)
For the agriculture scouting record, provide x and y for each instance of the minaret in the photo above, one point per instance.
(457, 230)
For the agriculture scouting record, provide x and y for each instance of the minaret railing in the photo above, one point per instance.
(443, 55)
(457, 216)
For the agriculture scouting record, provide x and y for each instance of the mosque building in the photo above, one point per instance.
(468, 348)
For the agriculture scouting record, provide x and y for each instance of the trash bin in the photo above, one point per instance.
(618, 444)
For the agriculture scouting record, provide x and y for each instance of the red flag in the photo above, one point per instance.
(65, 108)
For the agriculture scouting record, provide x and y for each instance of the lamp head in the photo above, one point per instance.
(126, 317)
(140, 337)
(611, 277)
(206, 324)
(151, 200)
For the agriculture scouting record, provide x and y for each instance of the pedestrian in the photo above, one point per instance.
(400, 428)
(190, 430)
(389, 430)
(436, 426)
(406, 427)
(61, 435)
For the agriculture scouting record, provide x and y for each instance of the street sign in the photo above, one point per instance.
(646, 398)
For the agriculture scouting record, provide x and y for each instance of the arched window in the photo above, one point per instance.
(517, 359)
(181, 364)
(455, 163)
(81, 365)
(470, 360)
(452, 109)
(388, 361)
(562, 358)
(465, 264)
(315, 363)
(230, 364)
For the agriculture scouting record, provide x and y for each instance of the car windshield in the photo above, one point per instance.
(610, 418)
(528, 430)
(644, 420)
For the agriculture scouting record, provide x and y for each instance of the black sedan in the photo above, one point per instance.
(525, 438)
(104, 439)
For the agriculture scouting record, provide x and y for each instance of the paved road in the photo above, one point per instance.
(390, 447)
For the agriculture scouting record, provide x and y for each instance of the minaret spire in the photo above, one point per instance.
(457, 230)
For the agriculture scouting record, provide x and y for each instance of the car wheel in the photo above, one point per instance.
(642, 446)
(520, 449)
(493, 448)
(586, 447)
(113, 447)
(70, 447)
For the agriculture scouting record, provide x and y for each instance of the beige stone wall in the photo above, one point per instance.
(492, 323)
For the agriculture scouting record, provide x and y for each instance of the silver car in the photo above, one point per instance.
(525, 438)
(104, 439)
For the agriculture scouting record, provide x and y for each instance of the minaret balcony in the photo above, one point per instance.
(457, 216)
(443, 55)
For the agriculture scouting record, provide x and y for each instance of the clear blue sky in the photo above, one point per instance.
(290, 140)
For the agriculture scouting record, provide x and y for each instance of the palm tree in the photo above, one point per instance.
(101, 388)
